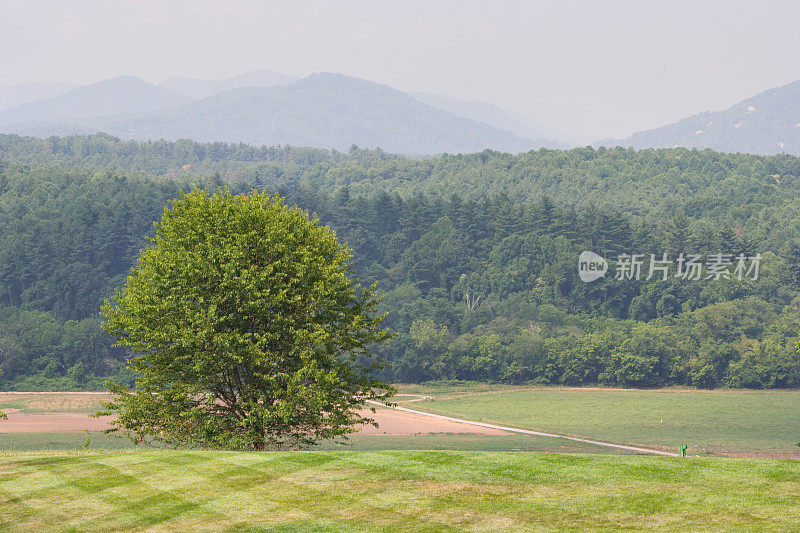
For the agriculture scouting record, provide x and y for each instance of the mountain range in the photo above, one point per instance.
(323, 110)
(125, 94)
(767, 123)
(516, 123)
(197, 88)
(327, 110)
(23, 93)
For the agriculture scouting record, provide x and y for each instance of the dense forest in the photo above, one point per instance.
(476, 255)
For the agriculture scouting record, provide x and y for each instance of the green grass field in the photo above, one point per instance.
(51, 441)
(432, 482)
(720, 421)
(378, 491)
(465, 442)
(72, 403)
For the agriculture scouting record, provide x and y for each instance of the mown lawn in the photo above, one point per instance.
(393, 491)
(51, 441)
(723, 421)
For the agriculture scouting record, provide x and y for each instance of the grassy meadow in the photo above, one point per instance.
(429, 482)
(42, 403)
(95, 440)
(377, 491)
(718, 421)
(710, 422)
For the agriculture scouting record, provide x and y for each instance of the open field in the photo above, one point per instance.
(719, 421)
(59, 421)
(59, 441)
(412, 491)
(29, 414)
(727, 422)
(39, 441)
(52, 402)
(381, 480)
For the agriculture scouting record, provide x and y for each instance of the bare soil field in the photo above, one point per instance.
(21, 422)
(69, 413)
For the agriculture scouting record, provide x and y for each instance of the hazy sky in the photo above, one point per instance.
(597, 69)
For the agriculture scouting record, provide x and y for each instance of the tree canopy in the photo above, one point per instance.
(247, 326)
(475, 255)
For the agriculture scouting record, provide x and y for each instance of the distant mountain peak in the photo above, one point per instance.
(123, 94)
(199, 88)
(23, 93)
(765, 124)
(325, 109)
(512, 121)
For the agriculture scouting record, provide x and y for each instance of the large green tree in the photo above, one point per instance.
(247, 327)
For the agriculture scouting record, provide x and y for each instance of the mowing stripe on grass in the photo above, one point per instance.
(172, 490)
(529, 432)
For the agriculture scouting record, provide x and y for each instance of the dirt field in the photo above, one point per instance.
(69, 413)
(19, 422)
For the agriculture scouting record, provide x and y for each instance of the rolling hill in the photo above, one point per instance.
(23, 93)
(323, 110)
(125, 94)
(197, 88)
(503, 119)
(767, 123)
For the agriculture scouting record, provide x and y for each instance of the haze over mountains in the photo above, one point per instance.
(197, 88)
(323, 110)
(126, 94)
(23, 93)
(326, 110)
(504, 119)
(767, 123)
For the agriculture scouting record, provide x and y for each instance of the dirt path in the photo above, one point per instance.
(399, 423)
(529, 432)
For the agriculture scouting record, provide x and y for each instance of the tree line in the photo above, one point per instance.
(476, 257)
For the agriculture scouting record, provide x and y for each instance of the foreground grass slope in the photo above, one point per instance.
(719, 421)
(410, 491)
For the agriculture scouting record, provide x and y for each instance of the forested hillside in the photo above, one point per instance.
(767, 123)
(476, 255)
